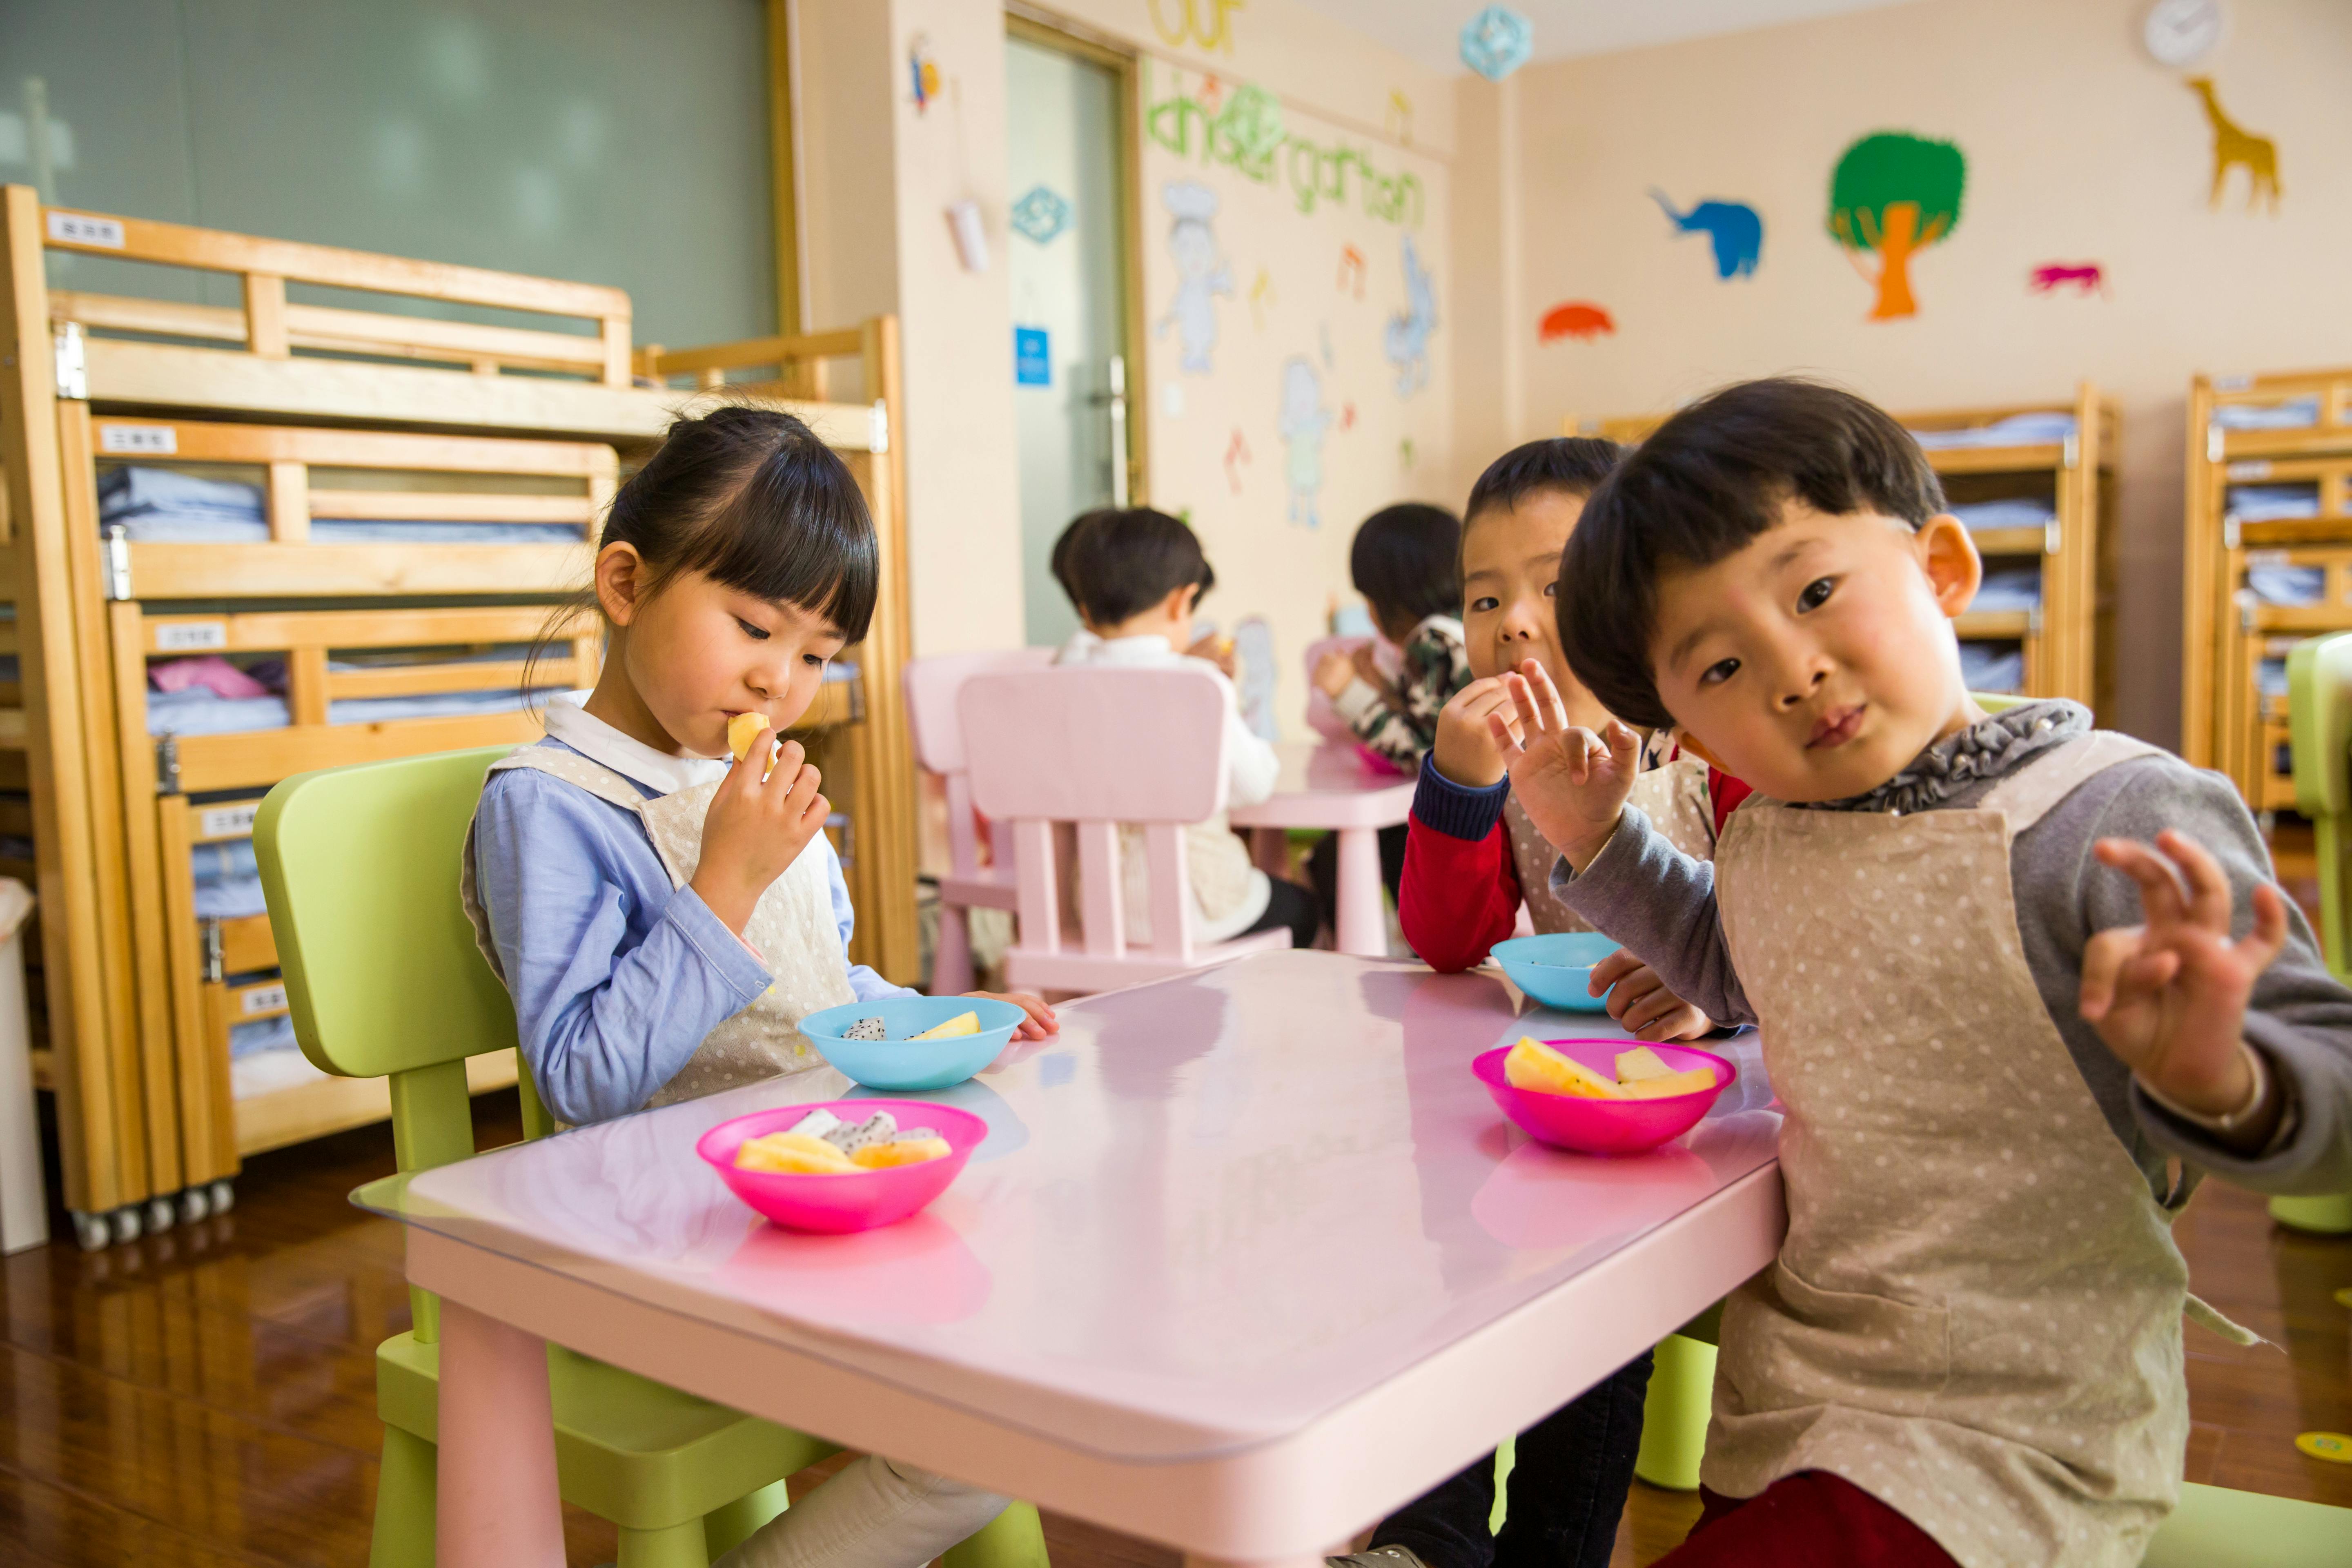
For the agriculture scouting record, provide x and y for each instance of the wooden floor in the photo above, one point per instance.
(207, 1397)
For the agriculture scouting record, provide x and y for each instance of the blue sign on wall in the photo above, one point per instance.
(1032, 364)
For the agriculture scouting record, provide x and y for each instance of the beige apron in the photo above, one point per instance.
(792, 928)
(1673, 795)
(1975, 1316)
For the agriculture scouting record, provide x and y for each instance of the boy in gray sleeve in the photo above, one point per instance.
(2003, 966)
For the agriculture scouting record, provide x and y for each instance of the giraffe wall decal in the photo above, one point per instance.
(2232, 145)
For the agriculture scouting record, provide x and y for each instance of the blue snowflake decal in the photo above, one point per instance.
(1042, 215)
(1496, 42)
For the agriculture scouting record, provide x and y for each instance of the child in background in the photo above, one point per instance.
(1136, 577)
(664, 920)
(1988, 1042)
(1407, 564)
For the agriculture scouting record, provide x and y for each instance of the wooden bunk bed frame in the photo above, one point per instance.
(2068, 641)
(301, 393)
(2227, 723)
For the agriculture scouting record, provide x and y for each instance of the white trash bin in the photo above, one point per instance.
(24, 1204)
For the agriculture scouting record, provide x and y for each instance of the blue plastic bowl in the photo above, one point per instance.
(900, 1063)
(1556, 969)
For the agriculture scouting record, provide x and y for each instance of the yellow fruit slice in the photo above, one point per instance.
(742, 731)
(1540, 1069)
(1639, 1063)
(905, 1151)
(791, 1153)
(1674, 1083)
(961, 1024)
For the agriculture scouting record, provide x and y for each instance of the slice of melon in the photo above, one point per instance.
(1639, 1063)
(1537, 1068)
(793, 1153)
(742, 731)
(904, 1152)
(1687, 1082)
(961, 1024)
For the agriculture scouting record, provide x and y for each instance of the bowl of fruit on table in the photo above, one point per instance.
(1602, 1097)
(912, 1043)
(843, 1164)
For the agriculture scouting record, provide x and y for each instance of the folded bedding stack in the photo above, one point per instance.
(2286, 585)
(2272, 503)
(2294, 414)
(2013, 511)
(2017, 430)
(165, 506)
(2009, 588)
(1997, 667)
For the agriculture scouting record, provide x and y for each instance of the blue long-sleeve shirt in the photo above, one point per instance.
(616, 975)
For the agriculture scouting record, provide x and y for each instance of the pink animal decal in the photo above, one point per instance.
(1237, 452)
(1576, 318)
(2085, 277)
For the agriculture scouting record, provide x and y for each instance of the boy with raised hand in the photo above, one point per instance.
(1988, 1042)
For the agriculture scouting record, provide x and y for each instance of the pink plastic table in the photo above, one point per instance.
(1332, 786)
(1248, 1259)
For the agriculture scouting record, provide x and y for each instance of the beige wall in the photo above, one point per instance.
(2080, 149)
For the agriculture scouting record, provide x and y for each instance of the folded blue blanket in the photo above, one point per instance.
(2294, 414)
(2017, 430)
(2011, 513)
(1997, 667)
(164, 506)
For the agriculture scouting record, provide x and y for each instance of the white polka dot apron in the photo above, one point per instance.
(1975, 1316)
(1673, 795)
(792, 928)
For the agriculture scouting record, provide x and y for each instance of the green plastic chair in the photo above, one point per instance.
(2319, 728)
(382, 978)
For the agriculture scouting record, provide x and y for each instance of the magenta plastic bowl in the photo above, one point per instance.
(1604, 1126)
(839, 1203)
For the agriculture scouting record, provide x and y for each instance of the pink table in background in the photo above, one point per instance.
(1248, 1259)
(1332, 786)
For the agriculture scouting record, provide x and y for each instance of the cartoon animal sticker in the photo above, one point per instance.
(1735, 229)
(1576, 318)
(1237, 452)
(1202, 273)
(1352, 270)
(1896, 194)
(2083, 277)
(2232, 146)
(1406, 340)
(1304, 421)
(1398, 122)
(1261, 292)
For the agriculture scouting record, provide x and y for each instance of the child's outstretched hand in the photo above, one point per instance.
(1639, 1000)
(755, 829)
(1571, 782)
(1334, 673)
(1040, 1022)
(2168, 996)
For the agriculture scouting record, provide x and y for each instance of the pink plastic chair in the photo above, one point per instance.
(932, 685)
(1096, 748)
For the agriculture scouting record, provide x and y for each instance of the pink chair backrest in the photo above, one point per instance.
(1099, 747)
(932, 686)
(1321, 717)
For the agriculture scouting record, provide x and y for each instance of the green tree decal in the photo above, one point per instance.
(1895, 193)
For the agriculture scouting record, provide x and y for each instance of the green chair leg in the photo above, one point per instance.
(672, 1546)
(725, 1529)
(405, 1500)
(1674, 1418)
(2217, 1528)
(1013, 1539)
(2330, 1215)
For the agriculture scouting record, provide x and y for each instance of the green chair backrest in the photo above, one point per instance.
(1999, 701)
(2319, 728)
(383, 976)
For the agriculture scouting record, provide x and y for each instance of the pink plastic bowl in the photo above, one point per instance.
(1604, 1126)
(838, 1203)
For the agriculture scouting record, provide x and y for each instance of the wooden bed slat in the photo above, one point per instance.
(449, 506)
(342, 331)
(277, 570)
(271, 631)
(205, 441)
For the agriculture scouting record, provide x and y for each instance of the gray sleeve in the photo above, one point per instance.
(2299, 1018)
(1660, 903)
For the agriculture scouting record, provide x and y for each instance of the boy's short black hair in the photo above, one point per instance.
(1708, 480)
(1575, 464)
(1407, 561)
(1115, 564)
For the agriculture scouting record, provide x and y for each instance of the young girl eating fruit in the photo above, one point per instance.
(1991, 1007)
(664, 920)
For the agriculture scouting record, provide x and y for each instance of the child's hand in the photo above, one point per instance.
(1334, 672)
(1040, 1022)
(1217, 650)
(1571, 782)
(755, 830)
(2168, 996)
(1642, 1003)
(1466, 751)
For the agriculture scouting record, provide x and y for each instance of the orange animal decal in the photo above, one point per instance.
(1576, 318)
(1352, 270)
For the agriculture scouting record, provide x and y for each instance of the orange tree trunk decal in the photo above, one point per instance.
(1893, 195)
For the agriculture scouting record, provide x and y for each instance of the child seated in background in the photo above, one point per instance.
(1136, 577)
(1407, 564)
(1987, 1041)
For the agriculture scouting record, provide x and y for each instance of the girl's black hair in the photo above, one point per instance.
(1407, 561)
(750, 497)
(1116, 565)
(1573, 464)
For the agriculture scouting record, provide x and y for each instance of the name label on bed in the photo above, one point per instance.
(226, 821)
(261, 999)
(183, 637)
(2232, 382)
(2270, 558)
(2259, 469)
(143, 438)
(80, 228)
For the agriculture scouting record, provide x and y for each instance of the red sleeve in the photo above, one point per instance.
(1459, 898)
(1727, 792)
